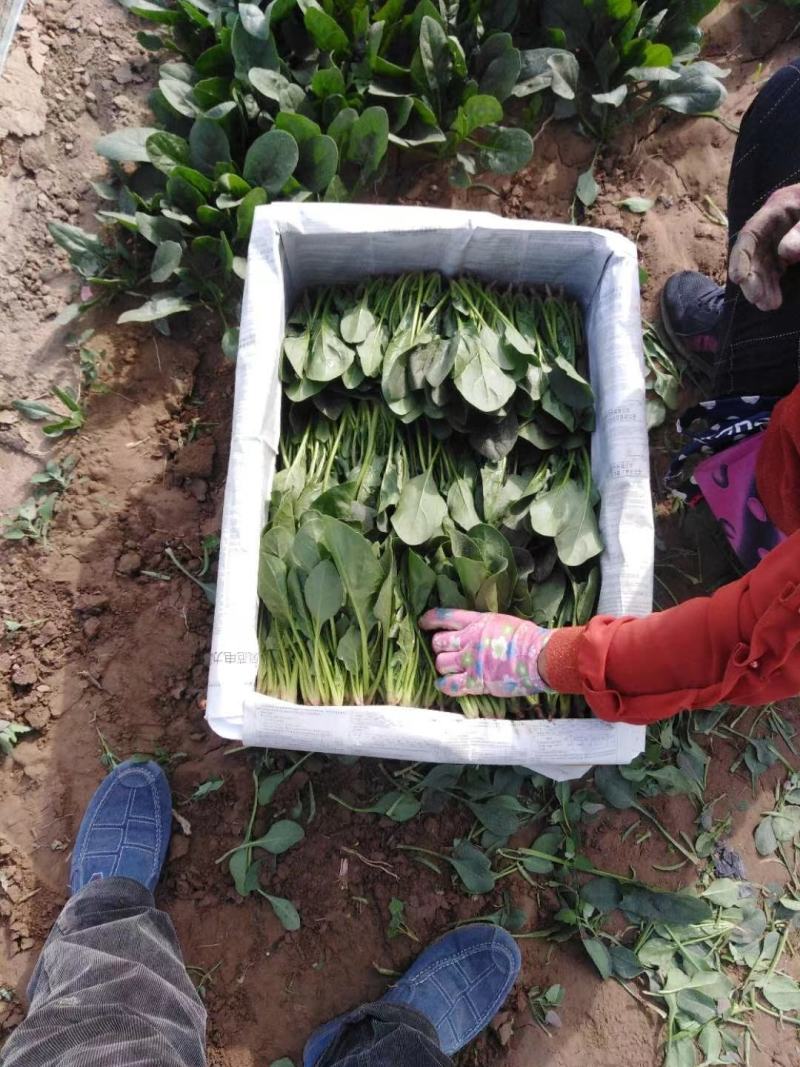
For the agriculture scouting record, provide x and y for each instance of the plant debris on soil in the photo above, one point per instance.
(105, 639)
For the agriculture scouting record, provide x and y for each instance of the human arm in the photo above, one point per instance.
(765, 246)
(740, 645)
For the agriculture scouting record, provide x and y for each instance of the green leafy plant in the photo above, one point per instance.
(61, 422)
(10, 733)
(781, 825)
(33, 517)
(297, 101)
(202, 978)
(713, 833)
(501, 800)
(451, 468)
(56, 474)
(90, 361)
(211, 785)
(508, 915)
(209, 588)
(246, 871)
(397, 921)
(608, 56)
(108, 757)
(663, 378)
(542, 1004)
(470, 864)
(612, 60)
(637, 205)
(305, 100)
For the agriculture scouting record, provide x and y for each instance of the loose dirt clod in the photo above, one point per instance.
(196, 459)
(129, 563)
(37, 717)
(24, 675)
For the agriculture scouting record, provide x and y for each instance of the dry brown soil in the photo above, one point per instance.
(109, 652)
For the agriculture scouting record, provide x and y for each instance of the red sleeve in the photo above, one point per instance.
(740, 645)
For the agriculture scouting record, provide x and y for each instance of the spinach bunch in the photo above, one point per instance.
(376, 516)
(470, 358)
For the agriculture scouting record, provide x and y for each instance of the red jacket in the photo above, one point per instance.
(740, 645)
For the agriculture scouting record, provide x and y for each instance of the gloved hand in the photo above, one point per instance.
(479, 652)
(766, 245)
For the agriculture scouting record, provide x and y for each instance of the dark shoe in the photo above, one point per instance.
(126, 828)
(691, 312)
(458, 983)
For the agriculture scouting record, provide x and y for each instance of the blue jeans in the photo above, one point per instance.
(110, 990)
(760, 351)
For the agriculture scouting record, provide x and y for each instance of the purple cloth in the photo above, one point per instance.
(727, 480)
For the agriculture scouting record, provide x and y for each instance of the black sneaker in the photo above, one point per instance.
(691, 312)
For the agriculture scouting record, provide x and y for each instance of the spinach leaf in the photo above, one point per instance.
(461, 504)
(330, 356)
(478, 377)
(420, 510)
(355, 561)
(323, 592)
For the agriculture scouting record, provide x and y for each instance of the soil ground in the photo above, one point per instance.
(113, 646)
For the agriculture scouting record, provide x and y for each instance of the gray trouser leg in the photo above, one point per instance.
(378, 1034)
(110, 988)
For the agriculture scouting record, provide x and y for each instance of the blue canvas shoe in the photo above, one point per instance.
(692, 306)
(458, 983)
(126, 828)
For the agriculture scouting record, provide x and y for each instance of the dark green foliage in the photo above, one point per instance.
(297, 101)
(604, 55)
(305, 100)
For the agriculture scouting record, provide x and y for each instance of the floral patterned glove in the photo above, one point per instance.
(479, 652)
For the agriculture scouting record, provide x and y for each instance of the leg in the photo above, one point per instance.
(448, 995)
(760, 351)
(767, 154)
(385, 1033)
(110, 988)
(748, 351)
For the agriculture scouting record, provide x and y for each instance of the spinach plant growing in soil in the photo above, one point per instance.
(435, 451)
(301, 99)
(294, 101)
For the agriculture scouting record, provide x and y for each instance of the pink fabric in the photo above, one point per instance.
(481, 652)
(728, 483)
